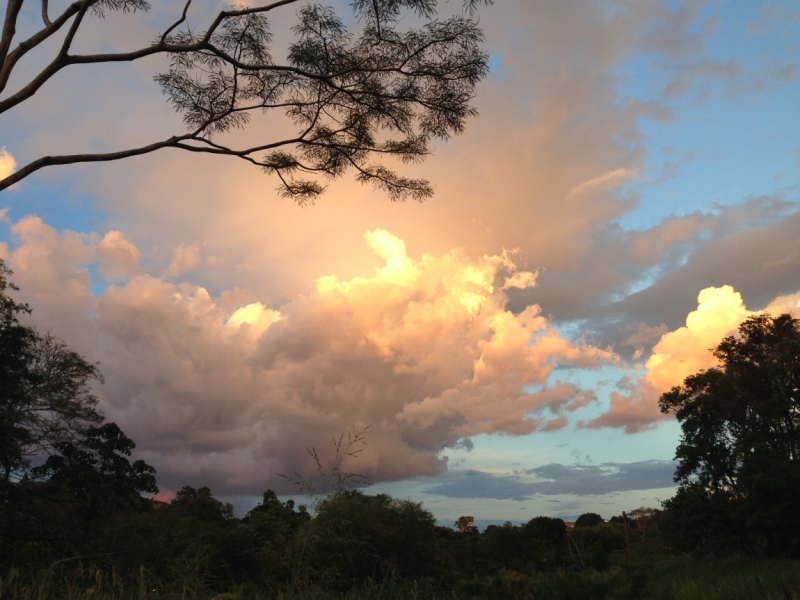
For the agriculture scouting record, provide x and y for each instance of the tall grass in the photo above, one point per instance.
(92, 583)
(736, 578)
(655, 578)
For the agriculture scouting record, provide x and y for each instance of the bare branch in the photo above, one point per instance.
(45, 18)
(176, 23)
(71, 159)
(13, 57)
(9, 27)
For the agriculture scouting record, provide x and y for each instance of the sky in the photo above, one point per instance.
(628, 194)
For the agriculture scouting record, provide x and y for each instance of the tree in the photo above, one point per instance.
(351, 97)
(96, 470)
(45, 390)
(354, 536)
(741, 431)
(589, 520)
(643, 518)
(200, 504)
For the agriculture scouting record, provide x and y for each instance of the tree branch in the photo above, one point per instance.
(176, 23)
(9, 27)
(70, 159)
(45, 18)
(64, 59)
(52, 27)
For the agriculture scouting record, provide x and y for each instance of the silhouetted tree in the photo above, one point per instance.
(352, 96)
(45, 391)
(354, 536)
(740, 442)
(96, 471)
(588, 520)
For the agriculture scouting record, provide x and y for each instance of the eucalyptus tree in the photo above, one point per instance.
(398, 79)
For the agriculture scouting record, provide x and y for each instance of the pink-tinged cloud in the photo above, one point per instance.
(119, 258)
(681, 353)
(423, 351)
(7, 163)
(185, 259)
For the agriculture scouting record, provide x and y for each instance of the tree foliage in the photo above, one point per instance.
(49, 416)
(358, 535)
(588, 520)
(45, 390)
(738, 453)
(353, 95)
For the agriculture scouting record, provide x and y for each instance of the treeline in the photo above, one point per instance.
(354, 540)
(355, 545)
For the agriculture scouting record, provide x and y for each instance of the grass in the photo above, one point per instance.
(736, 578)
(654, 578)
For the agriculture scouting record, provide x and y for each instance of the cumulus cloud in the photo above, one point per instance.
(118, 257)
(424, 351)
(684, 352)
(185, 259)
(687, 350)
(785, 304)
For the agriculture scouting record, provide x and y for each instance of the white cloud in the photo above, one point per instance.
(686, 351)
(118, 257)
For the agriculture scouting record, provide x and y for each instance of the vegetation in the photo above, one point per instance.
(351, 94)
(73, 522)
(739, 456)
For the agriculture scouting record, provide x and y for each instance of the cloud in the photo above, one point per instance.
(7, 163)
(644, 336)
(423, 351)
(557, 479)
(255, 316)
(568, 132)
(606, 181)
(548, 168)
(785, 304)
(684, 352)
(185, 259)
(687, 350)
(687, 75)
(118, 257)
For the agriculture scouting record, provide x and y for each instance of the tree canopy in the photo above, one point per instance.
(58, 459)
(738, 453)
(352, 94)
(45, 389)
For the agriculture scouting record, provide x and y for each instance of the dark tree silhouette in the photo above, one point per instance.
(588, 520)
(740, 448)
(352, 96)
(45, 390)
